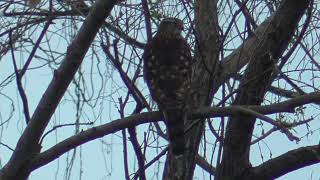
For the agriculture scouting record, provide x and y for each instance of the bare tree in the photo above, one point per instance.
(255, 74)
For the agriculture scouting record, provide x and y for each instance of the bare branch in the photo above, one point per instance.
(92, 134)
(290, 161)
(28, 142)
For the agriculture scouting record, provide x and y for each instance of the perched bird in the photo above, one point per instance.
(33, 3)
(77, 5)
(167, 72)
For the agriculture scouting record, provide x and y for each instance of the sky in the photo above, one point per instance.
(102, 159)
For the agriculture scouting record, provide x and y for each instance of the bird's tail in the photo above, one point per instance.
(174, 119)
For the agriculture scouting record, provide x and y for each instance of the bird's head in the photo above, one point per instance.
(171, 26)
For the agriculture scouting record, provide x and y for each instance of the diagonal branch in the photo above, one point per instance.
(288, 162)
(135, 120)
(28, 142)
(253, 86)
(240, 57)
(92, 134)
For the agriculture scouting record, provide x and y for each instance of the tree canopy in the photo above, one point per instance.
(71, 73)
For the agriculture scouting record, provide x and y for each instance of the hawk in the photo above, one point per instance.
(167, 72)
(33, 3)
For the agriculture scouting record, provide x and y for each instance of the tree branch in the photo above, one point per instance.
(92, 134)
(240, 57)
(256, 80)
(290, 161)
(28, 142)
(135, 120)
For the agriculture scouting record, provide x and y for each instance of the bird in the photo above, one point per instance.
(33, 3)
(77, 5)
(167, 72)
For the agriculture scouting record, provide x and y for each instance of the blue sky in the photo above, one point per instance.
(103, 158)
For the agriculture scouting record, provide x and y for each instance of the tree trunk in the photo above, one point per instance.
(262, 50)
(206, 56)
(253, 86)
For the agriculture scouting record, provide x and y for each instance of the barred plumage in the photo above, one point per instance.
(167, 71)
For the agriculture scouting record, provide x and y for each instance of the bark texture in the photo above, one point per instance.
(253, 86)
(262, 50)
(207, 37)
